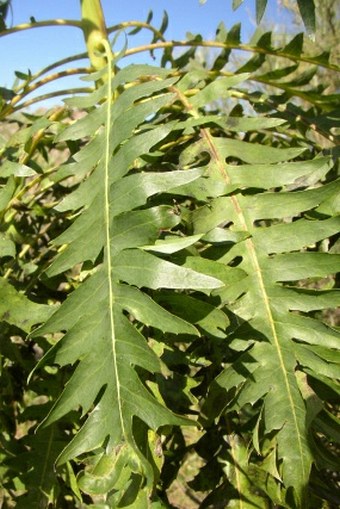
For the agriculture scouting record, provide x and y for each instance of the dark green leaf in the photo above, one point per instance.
(260, 9)
(17, 310)
(307, 11)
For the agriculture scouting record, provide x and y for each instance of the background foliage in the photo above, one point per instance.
(169, 245)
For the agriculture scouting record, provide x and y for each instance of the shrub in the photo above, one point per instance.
(169, 250)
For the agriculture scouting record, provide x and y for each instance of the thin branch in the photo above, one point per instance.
(51, 95)
(223, 45)
(39, 24)
(136, 24)
(63, 61)
(48, 79)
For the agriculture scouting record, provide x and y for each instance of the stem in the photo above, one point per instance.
(110, 30)
(137, 24)
(49, 78)
(12, 106)
(224, 45)
(39, 24)
(95, 33)
(51, 95)
(58, 63)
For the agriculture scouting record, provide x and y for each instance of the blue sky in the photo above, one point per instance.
(35, 49)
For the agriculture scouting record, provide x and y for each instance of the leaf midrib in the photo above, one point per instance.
(108, 54)
(255, 262)
(258, 272)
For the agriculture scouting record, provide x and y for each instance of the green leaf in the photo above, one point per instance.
(233, 124)
(23, 136)
(7, 247)
(240, 476)
(38, 464)
(240, 124)
(294, 266)
(217, 90)
(6, 93)
(263, 206)
(236, 4)
(147, 270)
(132, 229)
(253, 64)
(91, 122)
(105, 474)
(195, 257)
(17, 310)
(234, 34)
(6, 193)
(116, 380)
(253, 153)
(22, 75)
(165, 22)
(265, 41)
(16, 169)
(134, 190)
(116, 218)
(125, 194)
(265, 326)
(279, 73)
(260, 9)
(295, 47)
(210, 319)
(308, 358)
(307, 11)
(147, 311)
(172, 244)
(328, 424)
(294, 236)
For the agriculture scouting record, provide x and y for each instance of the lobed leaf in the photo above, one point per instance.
(116, 220)
(271, 342)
